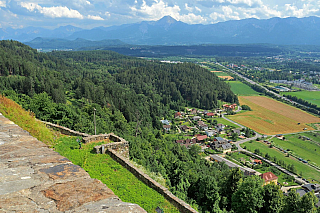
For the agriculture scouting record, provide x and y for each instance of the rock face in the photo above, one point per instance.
(34, 178)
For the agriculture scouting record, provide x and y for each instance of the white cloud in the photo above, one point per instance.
(250, 3)
(97, 18)
(160, 8)
(3, 4)
(53, 12)
(198, 9)
(191, 18)
(156, 10)
(190, 9)
(228, 13)
(306, 10)
(88, 2)
(107, 14)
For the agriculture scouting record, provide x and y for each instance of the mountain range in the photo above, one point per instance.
(168, 31)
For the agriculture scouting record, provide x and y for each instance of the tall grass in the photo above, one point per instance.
(26, 120)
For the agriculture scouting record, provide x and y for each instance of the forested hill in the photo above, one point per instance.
(131, 85)
(130, 95)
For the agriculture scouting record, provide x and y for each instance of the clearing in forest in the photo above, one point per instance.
(272, 117)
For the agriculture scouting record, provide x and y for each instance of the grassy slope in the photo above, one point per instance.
(102, 167)
(307, 172)
(26, 120)
(117, 178)
(241, 89)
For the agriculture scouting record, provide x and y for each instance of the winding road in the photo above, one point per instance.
(257, 135)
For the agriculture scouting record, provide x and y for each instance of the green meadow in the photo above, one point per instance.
(241, 89)
(301, 168)
(310, 96)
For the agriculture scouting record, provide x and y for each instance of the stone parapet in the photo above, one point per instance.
(65, 130)
(180, 204)
(34, 178)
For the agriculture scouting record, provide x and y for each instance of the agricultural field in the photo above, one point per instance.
(306, 149)
(271, 117)
(241, 89)
(310, 96)
(306, 171)
(228, 78)
(223, 121)
(220, 73)
(264, 168)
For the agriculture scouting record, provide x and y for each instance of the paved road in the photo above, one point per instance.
(298, 180)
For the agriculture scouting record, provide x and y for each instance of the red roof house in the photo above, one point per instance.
(210, 114)
(177, 115)
(201, 137)
(269, 177)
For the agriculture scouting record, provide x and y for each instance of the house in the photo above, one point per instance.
(220, 140)
(193, 111)
(269, 177)
(308, 188)
(256, 161)
(210, 133)
(226, 147)
(178, 115)
(229, 107)
(220, 127)
(200, 123)
(187, 143)
(210, 114)
(201, 138)
(237, 131)
(167, 127)
(203, 127)
(165, 122)
(185, 128)
(196, 118)
(312, 187)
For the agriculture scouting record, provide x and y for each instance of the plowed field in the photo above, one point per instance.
(272, 117)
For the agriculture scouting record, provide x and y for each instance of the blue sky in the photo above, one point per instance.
(93, 13)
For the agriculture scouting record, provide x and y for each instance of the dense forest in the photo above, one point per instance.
(130, 96)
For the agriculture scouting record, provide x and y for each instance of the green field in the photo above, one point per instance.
(264, 168)
(123, 183)
(310, 96)
(225, 122)
(221, 74)
(305, 149)
(306, 171)
(241, 89)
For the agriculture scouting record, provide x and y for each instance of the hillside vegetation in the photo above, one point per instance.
(130, 96)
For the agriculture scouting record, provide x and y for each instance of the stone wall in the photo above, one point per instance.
(65, 130)
(34, 178)
(180, 204)
(119, 151)
(118, 144)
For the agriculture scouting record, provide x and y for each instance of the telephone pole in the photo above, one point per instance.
(94, 118)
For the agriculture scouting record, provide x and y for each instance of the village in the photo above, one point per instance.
(203, 128)
(217, 138)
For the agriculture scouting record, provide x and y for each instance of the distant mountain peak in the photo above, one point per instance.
(167, 20)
